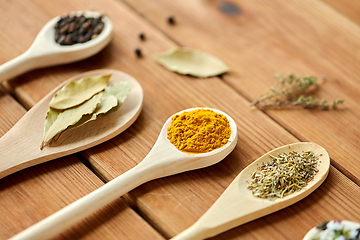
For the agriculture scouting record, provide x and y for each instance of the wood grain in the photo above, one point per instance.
(349, 8)
(265, 38)
(30, 195)
(28, 131)
(237, 205)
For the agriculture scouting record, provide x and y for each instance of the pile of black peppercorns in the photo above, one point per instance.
(70, 30)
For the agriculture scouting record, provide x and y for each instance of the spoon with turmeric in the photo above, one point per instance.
(239, 205)
(212, 141)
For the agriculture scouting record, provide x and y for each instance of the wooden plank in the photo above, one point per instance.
(30, 195)
(172, 204)
(349, 8)
(264, 38)
(8, 105)
(33, 194)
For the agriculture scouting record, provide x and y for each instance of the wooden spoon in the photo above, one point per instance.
(164, 159)
(45, 52)
(237, 205)
(20, 146)
(315, 232)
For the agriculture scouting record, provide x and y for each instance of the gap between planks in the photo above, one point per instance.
(244, 95)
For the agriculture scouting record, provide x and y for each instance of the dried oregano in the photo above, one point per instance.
(284, 174)
(291, 91)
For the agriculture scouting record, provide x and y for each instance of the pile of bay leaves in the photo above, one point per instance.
(82, 101)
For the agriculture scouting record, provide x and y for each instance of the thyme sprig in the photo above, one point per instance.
(290, 91)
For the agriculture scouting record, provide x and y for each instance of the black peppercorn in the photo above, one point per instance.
(138, 52)
(74, 29)
(171, 20)
(61, 40)
(142, 36)
(71, 27)
(99, 28)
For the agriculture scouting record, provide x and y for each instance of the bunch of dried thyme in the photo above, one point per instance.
(290, 91)
(284, 174)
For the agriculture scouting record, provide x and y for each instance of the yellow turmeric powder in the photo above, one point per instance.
(199, 131)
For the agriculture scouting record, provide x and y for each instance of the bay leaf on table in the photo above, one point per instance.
(193, 62)
(71, 116)
(77, 92)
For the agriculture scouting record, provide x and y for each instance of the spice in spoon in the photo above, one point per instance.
(199, 131)
(337, 230)
(284, 174)
(81, 101)
(72, 29)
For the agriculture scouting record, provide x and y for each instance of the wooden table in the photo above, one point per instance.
(256, 39)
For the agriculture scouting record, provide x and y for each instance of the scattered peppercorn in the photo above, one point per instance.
(142, 36)
(171, 20)
(71, 29)
(138, 52)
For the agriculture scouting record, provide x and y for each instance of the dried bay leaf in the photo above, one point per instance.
(108, 102)
(113, 97)
(50, 118)
(71, 116)
(120, 90)
(77, 92)
(192, 62)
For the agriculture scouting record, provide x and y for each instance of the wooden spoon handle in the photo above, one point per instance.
(86, 205)
(193, 232)
(17, 66)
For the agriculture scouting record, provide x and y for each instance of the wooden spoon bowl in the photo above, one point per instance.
(237, 205)
(20, 147)
(45, 52)
(164, 159)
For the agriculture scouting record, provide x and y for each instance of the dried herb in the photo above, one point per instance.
(120, 90)
(71, 116)
(193, 62)
(107, 102)
(102, 102)
(284, 175)
(77, 92)
(291, 91)
(322, 226)
(336, 230)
